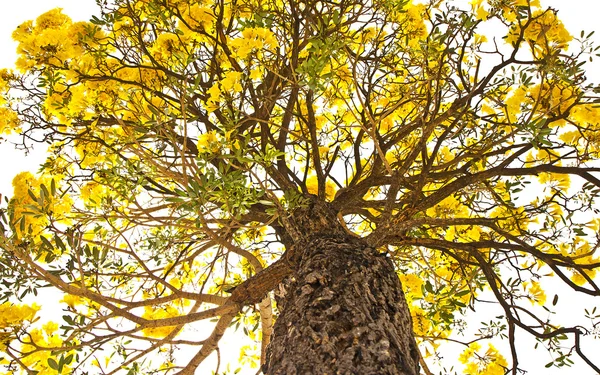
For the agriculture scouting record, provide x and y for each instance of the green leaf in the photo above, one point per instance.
(59, 243)
(46, 243)
(61, 363)
(31, 194)
(429, 287)
(53, 187)
(52, 363)
(44, 191)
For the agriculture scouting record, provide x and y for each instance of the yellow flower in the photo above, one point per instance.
(256, 73)
(9, 121)
(72, 300)
(421, 324)
(571, 137)
(45, 205)
(165, 46)
(52, 40)
(489, 363)
(546, 32)
(466, 355)
(92, 193)
(449, 207)
(537, 293)
(313, 187)
(214, 97)
(412, 283)
(253, 39)
(14, 315)
(231, 82)
(155, 313)
(50, 328)
(481, 13)
(200, 17)
(479, 39)
(208, 142)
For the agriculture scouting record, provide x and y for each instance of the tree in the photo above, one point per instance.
(208, 156)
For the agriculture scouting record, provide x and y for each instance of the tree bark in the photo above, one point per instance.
(343, 312)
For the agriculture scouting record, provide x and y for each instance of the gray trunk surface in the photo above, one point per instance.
(343, 312)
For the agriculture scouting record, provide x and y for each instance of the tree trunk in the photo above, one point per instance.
(343, 312)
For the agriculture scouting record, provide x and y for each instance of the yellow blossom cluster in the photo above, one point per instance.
(82, 100)
(5, 77)
(463, 233)
(413, 24)
(52, 40)
(490, 362)
(166, 47)
(429, 310)
(209, 142)
(412, 284)
(514, 102)
(229, 85)
(586, 135)
(199, 16)
(254, 40)
(556, 181)
(582, 253)
(586, 114)
(214, 98)
(546, 33)
(92, 194)
(37, 344)
(449, 207)
(249, 355)
(12, 315)
(40, 343)
(506, 8)
(548, 99)
(231, 82)
(555, 98)
(312, 185)
(72, 300)
(512, 220)
(159, 312)
(421, 323)
(570, 138)
(535, 292)
(50, 44)
(9, 121)
(34, 204)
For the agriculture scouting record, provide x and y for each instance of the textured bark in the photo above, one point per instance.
(344, 312)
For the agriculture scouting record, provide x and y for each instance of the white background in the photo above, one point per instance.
(576, 14)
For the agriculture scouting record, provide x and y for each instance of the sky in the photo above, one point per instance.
(577, 15)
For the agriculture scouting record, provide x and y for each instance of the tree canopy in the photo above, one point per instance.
(183, 135)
